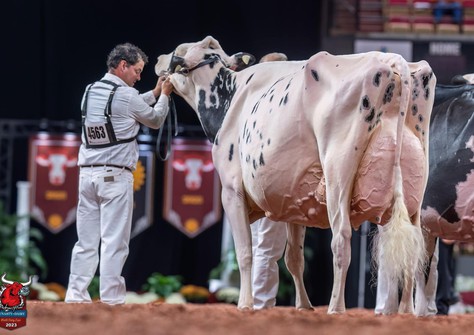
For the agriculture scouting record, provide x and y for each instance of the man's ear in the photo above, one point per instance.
(241, 60)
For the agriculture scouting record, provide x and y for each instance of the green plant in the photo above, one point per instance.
(94, 288)
(162, 285)
(9, 250)
(229, 263)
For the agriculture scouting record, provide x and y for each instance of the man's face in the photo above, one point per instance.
(130, 73)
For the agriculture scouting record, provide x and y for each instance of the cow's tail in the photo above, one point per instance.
(399, 246)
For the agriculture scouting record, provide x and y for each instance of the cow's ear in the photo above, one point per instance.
(241, 61)
(210, 42)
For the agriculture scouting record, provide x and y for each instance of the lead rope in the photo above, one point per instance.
(169, 122)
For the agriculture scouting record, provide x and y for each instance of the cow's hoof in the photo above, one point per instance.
(305, 308)
(336, 311)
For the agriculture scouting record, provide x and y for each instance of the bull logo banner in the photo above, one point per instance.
(13, 303)
(192, 188)
(54, 178)
(143, 181)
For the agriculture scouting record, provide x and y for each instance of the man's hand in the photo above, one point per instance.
(167, 87)
(157, 89)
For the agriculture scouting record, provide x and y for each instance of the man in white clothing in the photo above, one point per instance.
(268, 245)
(112, 112)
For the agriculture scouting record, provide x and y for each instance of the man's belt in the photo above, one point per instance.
(106, 165)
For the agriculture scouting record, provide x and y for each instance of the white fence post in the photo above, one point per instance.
(23, 225)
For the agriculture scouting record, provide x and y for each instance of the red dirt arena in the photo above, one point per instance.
(59, 318)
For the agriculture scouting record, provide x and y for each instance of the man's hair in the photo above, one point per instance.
(127, 52)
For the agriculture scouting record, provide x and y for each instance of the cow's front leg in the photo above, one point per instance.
(294, 260)
(237, 214)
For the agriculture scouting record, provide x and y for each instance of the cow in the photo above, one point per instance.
(327, 142)
(193, 167)
(448, 204)
(12, 294)
(57, 160)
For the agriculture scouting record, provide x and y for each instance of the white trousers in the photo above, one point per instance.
(268, 245)
(104, 219)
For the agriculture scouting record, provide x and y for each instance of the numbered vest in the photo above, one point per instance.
(101, 134)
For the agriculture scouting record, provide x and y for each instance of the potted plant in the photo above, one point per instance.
(9, 250)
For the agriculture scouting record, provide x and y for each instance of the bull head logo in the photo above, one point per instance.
(193, 167)
(13, 294)
(57, 160)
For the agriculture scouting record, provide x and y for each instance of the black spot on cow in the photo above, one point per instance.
(288, 86)
(415, 93)
(222, 91)
(421, 118)
(414, 110)
(271, 98)
(371, 116)
(427, 93)
(377, 79)
(426, 80)
(247, 158)
(388, 93)
(315, 75)
(254, 124)
(261, 161)
(268, 141)
(254, 164)
(251, 76)
(231, 152)
(417, 127)
(366, 102)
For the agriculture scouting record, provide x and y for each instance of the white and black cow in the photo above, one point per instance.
(327, 142)
(448, 204)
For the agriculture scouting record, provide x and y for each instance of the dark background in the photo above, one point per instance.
(52, 49)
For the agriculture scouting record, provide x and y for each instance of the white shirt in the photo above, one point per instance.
(129, 110)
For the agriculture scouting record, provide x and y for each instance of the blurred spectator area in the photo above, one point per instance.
(402, 16)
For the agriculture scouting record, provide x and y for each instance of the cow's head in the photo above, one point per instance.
(193, 167)
(187, 58)
(56, 160)
(12, 293)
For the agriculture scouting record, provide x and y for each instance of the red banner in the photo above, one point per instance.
(192, 201)
(54, 174)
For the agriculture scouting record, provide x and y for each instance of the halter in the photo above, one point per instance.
(211, 60)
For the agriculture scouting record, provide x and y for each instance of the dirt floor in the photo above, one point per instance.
(59, 318)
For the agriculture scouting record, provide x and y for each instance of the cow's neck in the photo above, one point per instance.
(214, 101)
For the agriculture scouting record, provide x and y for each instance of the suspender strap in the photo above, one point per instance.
(107, 113)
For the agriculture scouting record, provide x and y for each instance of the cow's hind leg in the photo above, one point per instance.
(341, 249)
(294, 260)
(427, 280)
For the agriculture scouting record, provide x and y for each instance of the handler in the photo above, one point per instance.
(112, 111)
